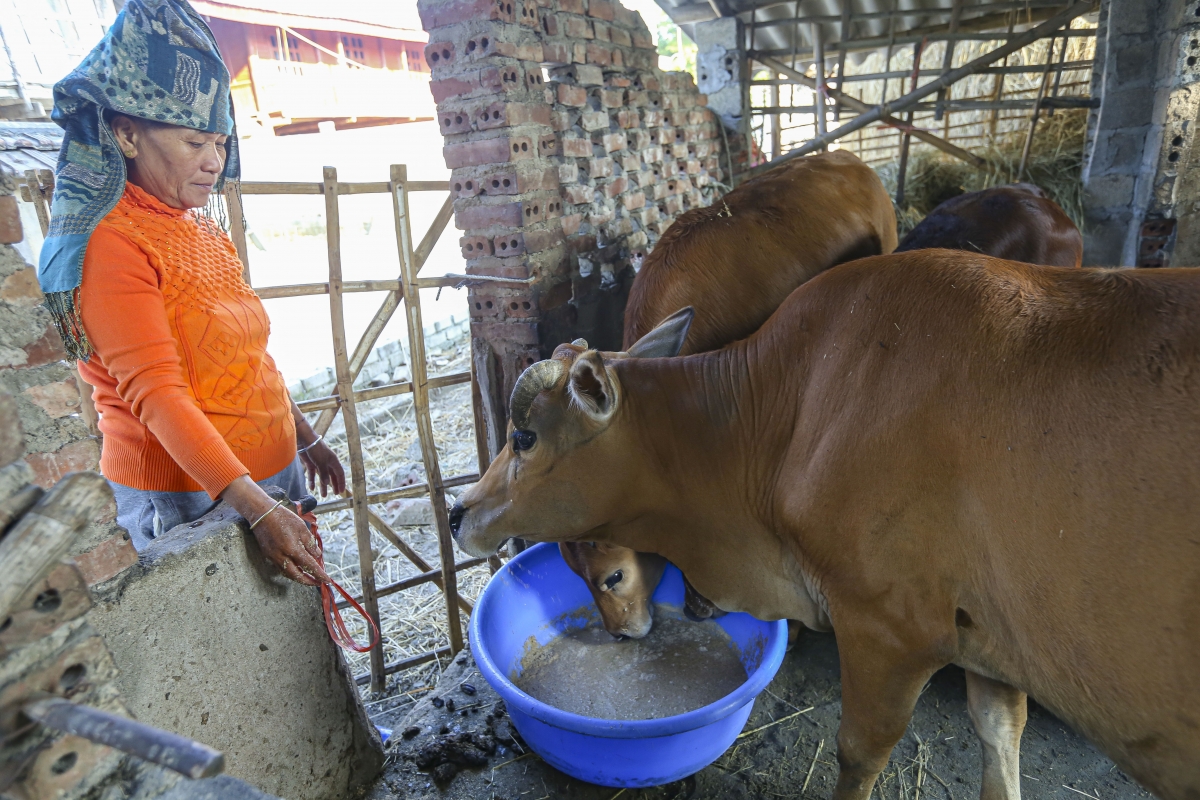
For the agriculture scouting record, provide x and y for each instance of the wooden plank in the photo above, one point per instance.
(407, 663)
(947, 60)
(42, 536)
(281, 187)
(1037, 110)
(345, 382)
(237, 227)
(418, 370)
(307, 289)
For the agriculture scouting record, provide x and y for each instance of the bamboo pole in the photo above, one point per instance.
(1037, 110)
(947, 60)
(906, 136)
(999, 93)
(345, 384)
(418, 370)
(885, 109)
(843, 37)
(389, 533)
(237, 227)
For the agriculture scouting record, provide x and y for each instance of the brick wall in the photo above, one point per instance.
(571, 152)
(33, 371)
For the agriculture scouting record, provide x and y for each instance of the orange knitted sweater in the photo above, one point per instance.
(188, 396)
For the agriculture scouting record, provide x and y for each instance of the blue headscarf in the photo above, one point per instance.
(160, 62)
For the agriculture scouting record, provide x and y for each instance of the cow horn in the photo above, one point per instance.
(580, 343)
(536, 379)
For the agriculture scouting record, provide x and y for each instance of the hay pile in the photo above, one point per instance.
(1055, 164)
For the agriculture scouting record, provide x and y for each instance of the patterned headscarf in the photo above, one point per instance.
(159, 62)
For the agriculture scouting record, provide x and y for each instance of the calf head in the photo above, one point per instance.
(621, 582)
(574, 461)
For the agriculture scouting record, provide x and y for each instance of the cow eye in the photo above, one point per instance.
(613, 580)
(523, 440)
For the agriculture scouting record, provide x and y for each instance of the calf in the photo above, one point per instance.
(945, 457)
(734, 262)
(1017, 222)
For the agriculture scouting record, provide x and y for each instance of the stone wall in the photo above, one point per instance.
(1141, 196)
(34, 371)
(571, 152)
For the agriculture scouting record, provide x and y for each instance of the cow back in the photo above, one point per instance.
(735, 261)
(1017, 223)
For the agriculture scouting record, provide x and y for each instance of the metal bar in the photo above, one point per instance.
(843, 36)
(416, 490)
(1068, 101)
(947, 60)
(819, 68)
(177, 753)
(904, 13)
(406, 663)
(858, 45)
(345, 385)
(1069, 66)
(887, 108)
(854, 104)
(418, 369)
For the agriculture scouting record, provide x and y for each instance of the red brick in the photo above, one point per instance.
(550, 26)
(439, 54)
(651, 84)
(537, 241)
(554, 208)
(534, 78)
(575, 147)
(10, 221)
(692, 167)
(568, 173)
(47, 349)
(671, 205)
(620, 37)
(612, 98)
(549, 146)
(571, 6)
(480, 217)
(501, 79)
(599, 54)
(652, 118)
(59, 399)
(21, 288)
(634, 200)
(561, 120)
(499, 183)
(578, 194)
(575, 27)
(594, 121)
(518, 333)
(642, 40)
(630, 163)
(612, 142)
(545, 180)
(78, 456)
(600, 9)
(533, 211)
(618, 60)
(509, 244)
(475, 246)
(453, 87)
(648, 215)
(600, 167)
(107, 559)
(615, 187)
(571, 95)
(628, 118)
(638, 99)
(679, 151)
(530, 52)
(487, 151)
(626, 17)
(601, 31)
(579, 53)
(448, 13)
(451, 121)
(571, 223)
(528, 14)
(555, 53)
(676, 118)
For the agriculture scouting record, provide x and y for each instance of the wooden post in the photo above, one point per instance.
(237, 227)
(418, 369)
(345, 390)
(843, 37)
(773, 98)
(905, 137)
(1037, 109)
(948, 61)
(819, 63)
(999, 93)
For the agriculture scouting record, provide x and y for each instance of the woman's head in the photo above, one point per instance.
(177, 165)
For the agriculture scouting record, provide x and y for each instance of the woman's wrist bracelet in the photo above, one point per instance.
(310, 445)
(264, 516)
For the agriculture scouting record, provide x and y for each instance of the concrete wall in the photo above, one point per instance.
(1142, 206)
(33, 370)
(212, 643)
(571, 153)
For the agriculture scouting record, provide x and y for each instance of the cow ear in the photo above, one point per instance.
(590, 386)
(667, 338)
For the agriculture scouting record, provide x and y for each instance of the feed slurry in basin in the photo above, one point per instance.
(679, 667)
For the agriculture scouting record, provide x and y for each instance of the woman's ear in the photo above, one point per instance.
(125, 131)
(590, 386)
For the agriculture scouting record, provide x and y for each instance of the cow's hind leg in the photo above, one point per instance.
(878, 697)
(998, 712)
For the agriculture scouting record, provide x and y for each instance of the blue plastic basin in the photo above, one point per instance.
(536, 594)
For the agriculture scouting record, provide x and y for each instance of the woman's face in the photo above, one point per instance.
(177, 165)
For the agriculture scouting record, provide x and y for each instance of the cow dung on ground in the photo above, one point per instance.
(940, 752)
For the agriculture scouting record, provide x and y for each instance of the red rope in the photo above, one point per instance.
(333, 616)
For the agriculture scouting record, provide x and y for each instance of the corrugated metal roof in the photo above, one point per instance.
(29, 145)
(776, 27)
(392, 20)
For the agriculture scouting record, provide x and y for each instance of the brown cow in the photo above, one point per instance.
(734, 262)
(1017, 222)
(946, 457)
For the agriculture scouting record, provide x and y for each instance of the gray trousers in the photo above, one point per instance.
(147, 515)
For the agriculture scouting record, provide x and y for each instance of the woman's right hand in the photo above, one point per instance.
(283, 537)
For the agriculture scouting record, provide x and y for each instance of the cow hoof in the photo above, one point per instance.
(794, 631)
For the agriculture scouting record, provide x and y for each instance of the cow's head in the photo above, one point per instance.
(568, 467)
(621, 582)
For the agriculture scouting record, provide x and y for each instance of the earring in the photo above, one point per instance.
(129, 154)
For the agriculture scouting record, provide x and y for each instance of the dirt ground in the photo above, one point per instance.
(939, 756)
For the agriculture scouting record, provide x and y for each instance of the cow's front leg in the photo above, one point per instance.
(879, 692)
(998, 712)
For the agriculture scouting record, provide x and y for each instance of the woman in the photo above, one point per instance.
(148, 294)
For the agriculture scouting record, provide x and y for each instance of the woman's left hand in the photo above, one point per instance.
(321, 462)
